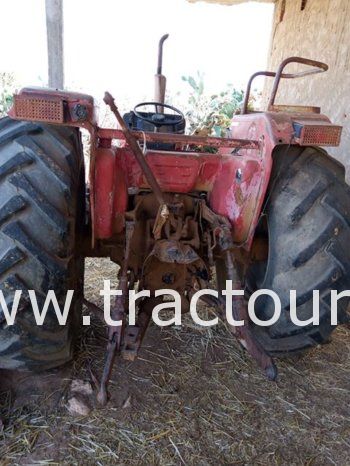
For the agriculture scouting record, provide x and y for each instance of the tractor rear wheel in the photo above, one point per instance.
(41, 201)
(306, 223)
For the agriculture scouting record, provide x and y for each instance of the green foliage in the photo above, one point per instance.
(7, 87)
(210, 114)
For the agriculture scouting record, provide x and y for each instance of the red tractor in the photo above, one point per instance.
(266, 208)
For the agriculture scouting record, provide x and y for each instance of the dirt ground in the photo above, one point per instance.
(193, 398)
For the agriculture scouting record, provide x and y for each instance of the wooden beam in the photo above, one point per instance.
(54, 28)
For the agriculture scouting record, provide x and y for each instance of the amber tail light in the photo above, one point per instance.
(319, 133)
(48, 109)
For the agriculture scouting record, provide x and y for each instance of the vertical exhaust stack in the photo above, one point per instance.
(160, 79)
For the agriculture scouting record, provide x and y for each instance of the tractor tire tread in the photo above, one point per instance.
(39, 181)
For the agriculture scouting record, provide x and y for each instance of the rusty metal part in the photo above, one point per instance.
(222, 234)
(243, 333)
(318, 67)
(210, 248)
(321, 67)
(162, 217)
(134, 334)
(54, 106)
(109, 100)
(174, 265)
(174, 260)
(174, 251)
(270, 74)
(220, 225)
(118, 313)
(144, 212)
(183, 139)
(285, 108)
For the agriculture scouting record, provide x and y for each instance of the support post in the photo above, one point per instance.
(54, 31)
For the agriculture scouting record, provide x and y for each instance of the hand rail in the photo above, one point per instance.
(319, 67)
(271, 74)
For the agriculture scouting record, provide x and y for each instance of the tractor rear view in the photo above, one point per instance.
(265, 208)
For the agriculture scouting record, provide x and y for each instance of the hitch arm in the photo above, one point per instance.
(115, 333)
(244, 334)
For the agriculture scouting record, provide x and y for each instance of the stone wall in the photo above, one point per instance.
(320, 31)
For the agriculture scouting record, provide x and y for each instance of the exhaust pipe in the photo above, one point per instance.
(160, 80)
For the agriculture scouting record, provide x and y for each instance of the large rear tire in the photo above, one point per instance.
(41, 171)
(307, 226)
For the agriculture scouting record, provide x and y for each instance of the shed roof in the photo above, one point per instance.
(232, 2)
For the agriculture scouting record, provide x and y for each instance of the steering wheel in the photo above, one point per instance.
(160, 119)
